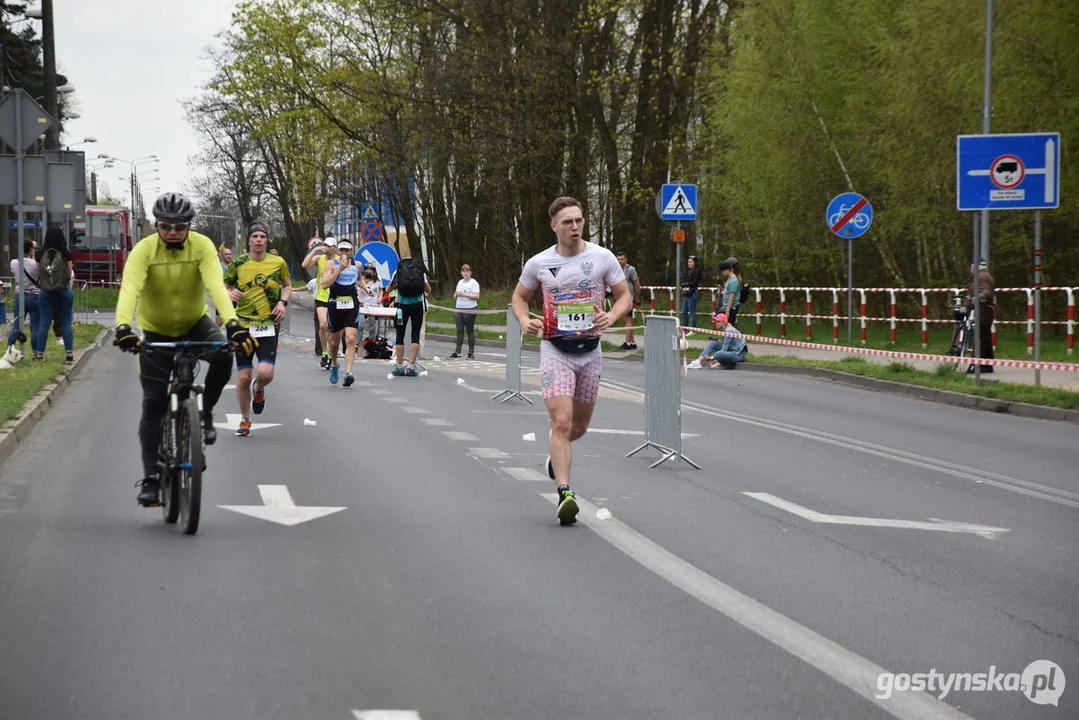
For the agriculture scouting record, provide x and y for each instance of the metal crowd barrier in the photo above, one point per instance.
(662, 390)
(513, 359)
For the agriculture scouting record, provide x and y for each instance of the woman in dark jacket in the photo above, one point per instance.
(690, 292)
(55, 303)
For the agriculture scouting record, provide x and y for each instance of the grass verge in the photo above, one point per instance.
(28, 377)
(944, 378)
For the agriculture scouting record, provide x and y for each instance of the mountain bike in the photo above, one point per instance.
(181, 457)
(963, 336)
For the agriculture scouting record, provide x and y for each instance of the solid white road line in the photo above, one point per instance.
(934, 524)
(1023, 487)
(845, 667)
(376, 391)
(396, 400)
(526, 474)
(386, 715)
(487, 453)
(436, 422)
(458, 435)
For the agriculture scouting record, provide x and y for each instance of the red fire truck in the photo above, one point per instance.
(100, 244)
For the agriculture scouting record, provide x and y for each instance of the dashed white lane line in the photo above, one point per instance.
(396, 400)
(386, 715)
(458, 435)
(524, 474)
(437, 422)
(845, 667)
(415, 410)
(487, 453)
(376, 391)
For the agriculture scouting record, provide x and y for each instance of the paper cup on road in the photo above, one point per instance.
(603, 514)
(423, 373)
(389, 376)
(436, 358)
(530, 437)
(460, 381)
(308, 422)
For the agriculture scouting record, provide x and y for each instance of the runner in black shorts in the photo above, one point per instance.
(320, 252)
(340, 277)
(410, 282)
(260, 285)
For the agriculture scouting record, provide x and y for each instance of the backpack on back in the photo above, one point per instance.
(52, 271)
(743, 293)
(410, 277)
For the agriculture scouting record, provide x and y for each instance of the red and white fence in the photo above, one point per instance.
(863, 318)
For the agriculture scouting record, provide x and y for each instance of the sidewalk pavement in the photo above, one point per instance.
(1050, 378)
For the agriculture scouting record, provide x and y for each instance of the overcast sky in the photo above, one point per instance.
(131, 63)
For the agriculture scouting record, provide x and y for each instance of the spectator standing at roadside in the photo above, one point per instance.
(411, 286)
(370, 296)
(29, 280)
(731, 299)
(55, 298)
(467, 296)
(988, 309)
(634, 283)
(690, 292)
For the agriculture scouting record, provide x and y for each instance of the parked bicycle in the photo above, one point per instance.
(181, 455)
(965, 329)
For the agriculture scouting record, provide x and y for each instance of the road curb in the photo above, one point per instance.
(18, 429)
(918, 392)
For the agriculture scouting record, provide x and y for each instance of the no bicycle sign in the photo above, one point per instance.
(849, 215)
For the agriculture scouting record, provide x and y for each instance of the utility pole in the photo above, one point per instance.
(52, 135)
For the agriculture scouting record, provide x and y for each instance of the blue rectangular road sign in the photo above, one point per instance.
(678, 201)
(32, 224)
(1008, 172)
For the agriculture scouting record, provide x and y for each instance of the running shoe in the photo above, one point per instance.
(245, 428)
(549, 466)
(695, 365)
(411, 372)
(324, 361)
(471, 356)
(455, 354)
(333, 374)
(209, 432)
(349, 379)
(567, 507)
(398, 371)
(258, 398)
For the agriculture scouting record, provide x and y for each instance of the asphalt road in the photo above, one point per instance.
(446, 589)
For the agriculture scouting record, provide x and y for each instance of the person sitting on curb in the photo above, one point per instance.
(727, 351)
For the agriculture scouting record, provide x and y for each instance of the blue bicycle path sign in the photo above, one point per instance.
(849, 215)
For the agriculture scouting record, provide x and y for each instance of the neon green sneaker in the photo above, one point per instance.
(567, 507)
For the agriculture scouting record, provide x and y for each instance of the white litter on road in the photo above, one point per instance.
(389, 376)
(603, 514)
(308, 422)
(460, 381)
(423, 373)
(530, 437)
(436, 358)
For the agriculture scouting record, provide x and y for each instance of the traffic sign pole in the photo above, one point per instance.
(678, 274)
(1037, 293)
(850, 290)
(977, 312)
(20, 153)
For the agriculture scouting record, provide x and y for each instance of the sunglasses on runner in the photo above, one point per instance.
(174, 226)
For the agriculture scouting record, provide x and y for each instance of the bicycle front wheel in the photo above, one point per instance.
(190, 475)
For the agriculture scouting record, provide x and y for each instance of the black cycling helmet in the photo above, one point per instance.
(174, 206)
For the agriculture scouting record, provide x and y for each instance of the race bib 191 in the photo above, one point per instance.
(345, 303)
(575, 317)
(262, 330)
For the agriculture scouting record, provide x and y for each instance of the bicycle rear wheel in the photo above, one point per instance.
(189, 476)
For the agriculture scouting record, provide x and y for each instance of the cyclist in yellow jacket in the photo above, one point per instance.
(166, 277)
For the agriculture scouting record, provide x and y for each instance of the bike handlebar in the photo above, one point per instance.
(174, 344)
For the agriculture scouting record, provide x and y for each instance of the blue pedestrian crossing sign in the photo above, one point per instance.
(678, 202)
(369, 211)
(1008, 172)
(849, 215)
(382, 256)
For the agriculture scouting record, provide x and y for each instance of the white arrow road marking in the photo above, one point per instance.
(277, 506)
(386, 715)
(933, 524)
(383, 268)
(232, 421)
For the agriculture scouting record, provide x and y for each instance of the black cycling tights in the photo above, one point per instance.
(154, 374)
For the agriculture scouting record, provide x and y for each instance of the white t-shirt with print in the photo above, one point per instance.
(469, 286)
(573, 288)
